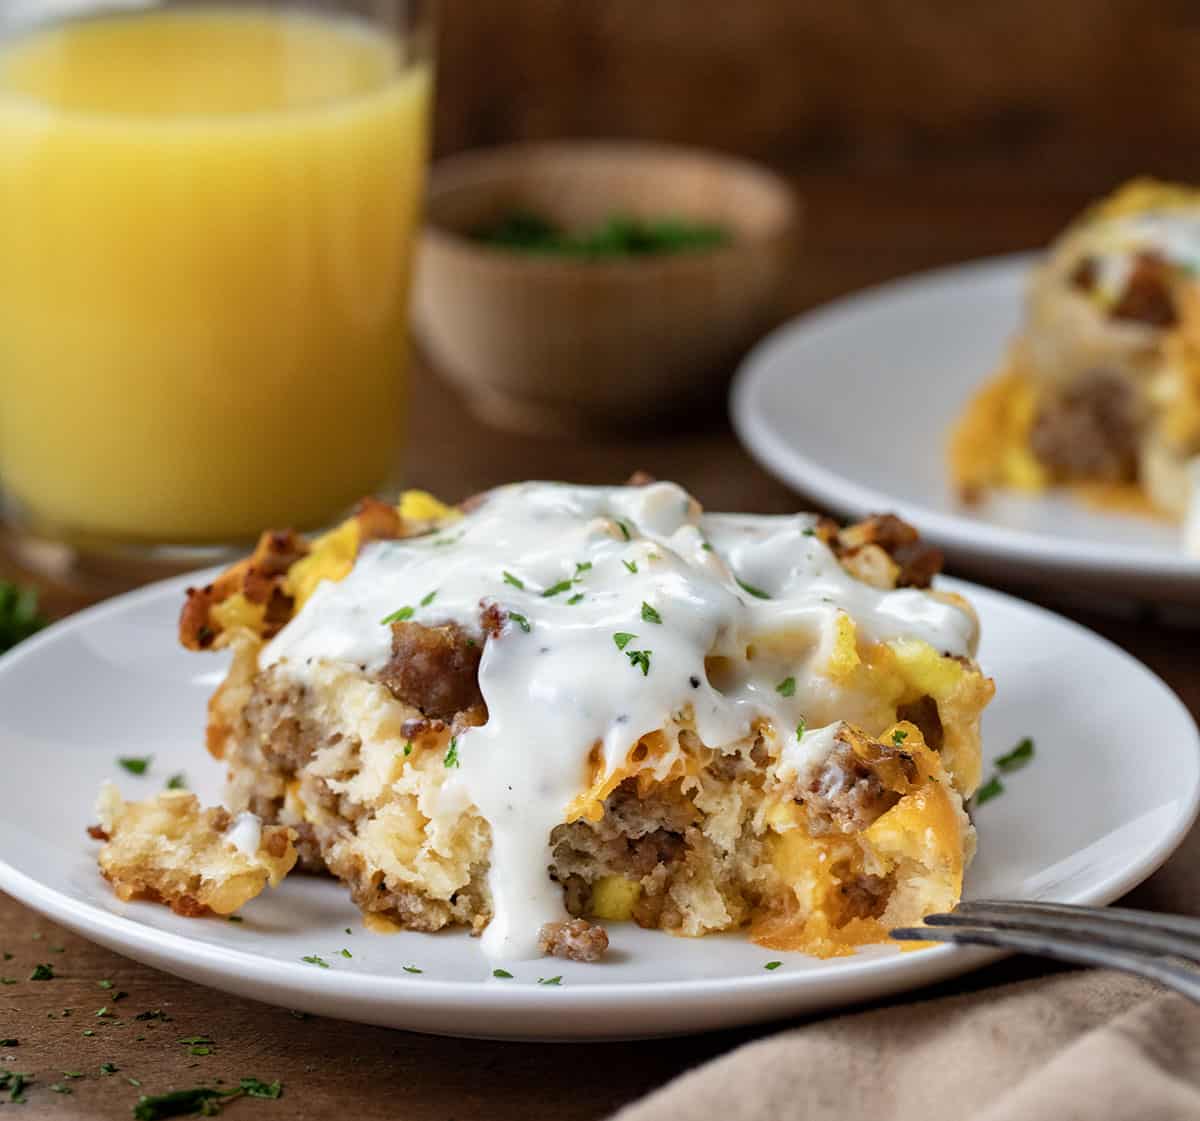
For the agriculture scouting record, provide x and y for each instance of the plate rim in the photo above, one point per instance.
(177, 952)
(955, 532)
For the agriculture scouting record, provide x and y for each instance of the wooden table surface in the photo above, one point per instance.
(860, 231)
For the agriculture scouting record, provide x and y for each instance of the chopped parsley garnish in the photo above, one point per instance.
(750, 589)
(109, 1068)
(346, 953)
(349, 931)
(42, 973)
(87, 1031)
(407, 748)
(104, 984)
(178, 781)
(624, 529)
(427, 600)
(515, 581)
(773, 965)
(575, 599)
(72, 1074)
(19, 616)
(623, 639)
(993, 788)
(640, 658)
(810, 532)
(194, 1039)
(412, 969)
(787, 687)
(102, 1012)
(202, 1099)
(1017, 758)
(706, 546)
(451, 759)
(581, 567)
(153, 1014)
(234, 918)
(59, 1088)
(630, 565)
(311, 959)
(503, 974)
(555, 589)
(15, 1083)
(649, 613)
(10, 1043)
(200, 1050)
(899, 736)
(800, 729)
(520, 620)
(550, 980)
(397, 616)
(135, 765)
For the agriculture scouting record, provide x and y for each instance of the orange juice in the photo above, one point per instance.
(206, 223)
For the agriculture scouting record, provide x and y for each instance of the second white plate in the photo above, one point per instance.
(852, 404)
(1111, 791)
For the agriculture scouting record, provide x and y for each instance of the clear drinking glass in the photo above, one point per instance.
(207, 221)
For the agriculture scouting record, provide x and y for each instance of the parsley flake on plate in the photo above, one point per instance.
(136, 764)
(750, 589)
(520, 620)
(650, 614)
(787, 687)
(313, 959)
(400, 615)
(993, 788)
(1017, 758)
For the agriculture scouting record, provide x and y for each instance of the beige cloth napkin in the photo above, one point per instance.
(1082, 1044)
(1079, 1045)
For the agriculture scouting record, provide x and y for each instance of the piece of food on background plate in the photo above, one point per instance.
(1100, 389)
(556, 707)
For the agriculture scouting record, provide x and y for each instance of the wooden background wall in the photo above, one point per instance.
(1071, 88)
(919, 131)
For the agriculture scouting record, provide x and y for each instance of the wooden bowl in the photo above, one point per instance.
(549, 344)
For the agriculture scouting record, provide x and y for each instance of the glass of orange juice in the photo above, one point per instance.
(207, 219)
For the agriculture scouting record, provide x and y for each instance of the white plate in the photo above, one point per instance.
(852, 404)
(1111, 792)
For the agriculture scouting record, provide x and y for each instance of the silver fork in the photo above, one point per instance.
(1164, 948)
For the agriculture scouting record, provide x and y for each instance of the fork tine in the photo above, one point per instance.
(1081, 923)
(1175, 976)
(1123, 916)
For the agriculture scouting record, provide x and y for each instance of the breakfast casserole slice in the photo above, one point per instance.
(559, 707)
(1100, 390)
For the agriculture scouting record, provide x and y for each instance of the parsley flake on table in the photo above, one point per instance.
(42, 972)
(787, 687)
(10, 1042)
(109, 1068)
(136, 764)
(650, 614)
(1017, 758)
